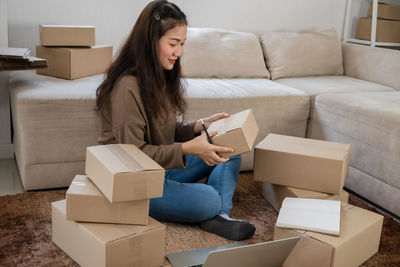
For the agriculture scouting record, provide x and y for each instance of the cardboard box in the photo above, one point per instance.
(85, 203)
(302, 162)
(275, 194)
(67, 35)
(386, 30)
(386, 11)
(99, 244)
(358, 241)
(124, 173)
(239, 132)
(75, 62)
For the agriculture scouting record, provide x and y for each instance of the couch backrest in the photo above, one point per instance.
(306, 53)
(379, 65)
(222, 54)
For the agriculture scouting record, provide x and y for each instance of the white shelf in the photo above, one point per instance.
(358, 41)
(371, 42)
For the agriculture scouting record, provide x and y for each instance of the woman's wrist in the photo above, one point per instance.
(197, 127)
(186, 146)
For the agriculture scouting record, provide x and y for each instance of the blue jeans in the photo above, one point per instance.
(186, 201)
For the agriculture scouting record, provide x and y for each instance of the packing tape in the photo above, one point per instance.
(125, 158)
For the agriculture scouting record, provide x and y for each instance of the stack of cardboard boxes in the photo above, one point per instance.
(104, 220)
(71, 51)
(307, 168)
(387, 25)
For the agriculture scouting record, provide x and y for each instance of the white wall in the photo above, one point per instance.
(3, 24)
(114, 19)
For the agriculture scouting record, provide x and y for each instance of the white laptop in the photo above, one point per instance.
(266, 254)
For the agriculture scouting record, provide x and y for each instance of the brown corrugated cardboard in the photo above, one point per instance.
(386, 30)
(239, 131)
(75, 62)
(99, 244)
(124, 173)
(275, 194)
(358, 241)
(386, 11)
(67, 35)
(302, 162)
(85, 203)
(308, 252)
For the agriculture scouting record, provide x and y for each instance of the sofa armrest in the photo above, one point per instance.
(378, 65)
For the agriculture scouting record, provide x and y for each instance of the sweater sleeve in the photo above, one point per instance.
(184, 131)
(168, 156)
(129, 126)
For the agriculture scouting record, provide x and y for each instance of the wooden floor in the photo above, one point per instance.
(10, 180)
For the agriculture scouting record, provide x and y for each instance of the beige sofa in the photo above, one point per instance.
(319, 95)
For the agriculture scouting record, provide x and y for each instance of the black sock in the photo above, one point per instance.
(229, 228)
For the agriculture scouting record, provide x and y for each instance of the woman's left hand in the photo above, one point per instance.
(207, 121)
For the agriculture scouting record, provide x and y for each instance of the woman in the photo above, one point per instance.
(138, 103)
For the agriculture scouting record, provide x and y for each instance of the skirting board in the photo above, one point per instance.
(6, 151)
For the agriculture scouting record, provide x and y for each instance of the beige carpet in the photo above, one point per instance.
(25, 228)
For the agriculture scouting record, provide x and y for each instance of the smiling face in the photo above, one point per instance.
(170, 46)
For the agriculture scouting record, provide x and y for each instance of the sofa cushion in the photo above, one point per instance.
(302, 54)
(222, 54)
(277, 108)
(316, 85)
(54, 121)
(370, 122)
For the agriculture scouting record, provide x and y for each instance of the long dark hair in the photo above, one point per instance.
(139, 56)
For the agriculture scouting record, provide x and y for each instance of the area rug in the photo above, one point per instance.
(25, 228)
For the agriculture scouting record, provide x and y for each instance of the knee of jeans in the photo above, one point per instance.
(211, 206)
(237, 159)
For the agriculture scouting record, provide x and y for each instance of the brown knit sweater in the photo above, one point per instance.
(123, 120)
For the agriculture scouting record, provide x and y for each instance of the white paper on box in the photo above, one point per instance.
(310, 214)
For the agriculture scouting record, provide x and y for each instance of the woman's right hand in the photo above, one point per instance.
(201, 148)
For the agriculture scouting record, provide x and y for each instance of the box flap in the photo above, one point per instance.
(304, 146)
(309, 252)
(81, 185)
(122, 158)
(108, 232)
(310, 214)
(111, 232)
(250, 129)
(235, 121)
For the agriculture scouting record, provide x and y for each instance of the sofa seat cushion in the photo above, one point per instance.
(370, 122)
(54, 121)
(277, 108)
(315, 85)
